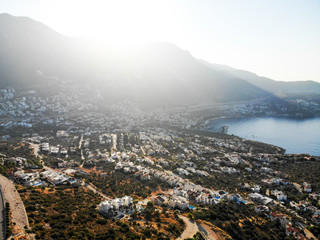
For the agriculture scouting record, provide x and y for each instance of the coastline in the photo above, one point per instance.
(286, 132)
(255, 117)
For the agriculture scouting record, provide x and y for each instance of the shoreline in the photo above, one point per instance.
(214, 124)
(255, 117)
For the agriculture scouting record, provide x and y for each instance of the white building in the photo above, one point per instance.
(62, 133)
(307, 187)
(179, 202)
(279, 195)
(256, 188)
(108, 207)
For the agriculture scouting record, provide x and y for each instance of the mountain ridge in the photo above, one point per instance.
(151, 75)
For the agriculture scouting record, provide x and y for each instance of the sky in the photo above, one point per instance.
(279, 39)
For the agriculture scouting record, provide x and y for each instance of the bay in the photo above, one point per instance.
(296, 135)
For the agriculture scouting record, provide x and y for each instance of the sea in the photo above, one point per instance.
(296, 135)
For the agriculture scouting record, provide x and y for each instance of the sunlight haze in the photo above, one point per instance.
(276, 39)
(160, 119)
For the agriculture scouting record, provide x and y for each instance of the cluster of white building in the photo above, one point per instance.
(179, 202)
(32, 105)
(54, 150)
(57, 178)
(28, 178)
(198, 194)
(230, 170)
(259, 198)
(110, 207)
(276, 181)
(279, 195)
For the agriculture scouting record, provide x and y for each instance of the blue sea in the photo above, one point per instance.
(296, 135)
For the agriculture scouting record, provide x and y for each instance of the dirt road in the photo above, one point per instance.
(192, 227)
(190, 230)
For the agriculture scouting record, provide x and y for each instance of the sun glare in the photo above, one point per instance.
(121, 21)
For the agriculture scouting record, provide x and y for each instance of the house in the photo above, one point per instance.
(235, 158)
(61, 164)
(307, 187)
(182, 171)
(27, 179)
(180, 192)
(279, 195)
(261, 209)
(159, 200)
(221, 194)
(64, 151)
(105, 207)
(172, 181)
(62, 133)
(179, 202)
(118, 166)
(202, 173)
(191, 169)
(234, 197)
(256, 188)
(45, 147)
(163, 162)
(127, 200)
(145, 177)
(257, 197)
(54, 150)
(108, 207)
(58, 178)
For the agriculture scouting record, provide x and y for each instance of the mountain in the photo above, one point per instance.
(279, 88)
(35, 57)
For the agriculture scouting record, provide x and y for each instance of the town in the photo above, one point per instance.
(151, 166)
(183, 170)
(28, 110)
(159, 120)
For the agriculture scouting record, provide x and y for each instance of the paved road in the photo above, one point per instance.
(80, 145)
(81, 140)
(2, 215)
(17, 209)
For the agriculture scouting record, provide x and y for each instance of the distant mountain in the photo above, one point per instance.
(279, 88)
(33, 56)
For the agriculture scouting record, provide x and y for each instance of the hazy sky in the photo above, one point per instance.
(279, 39)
